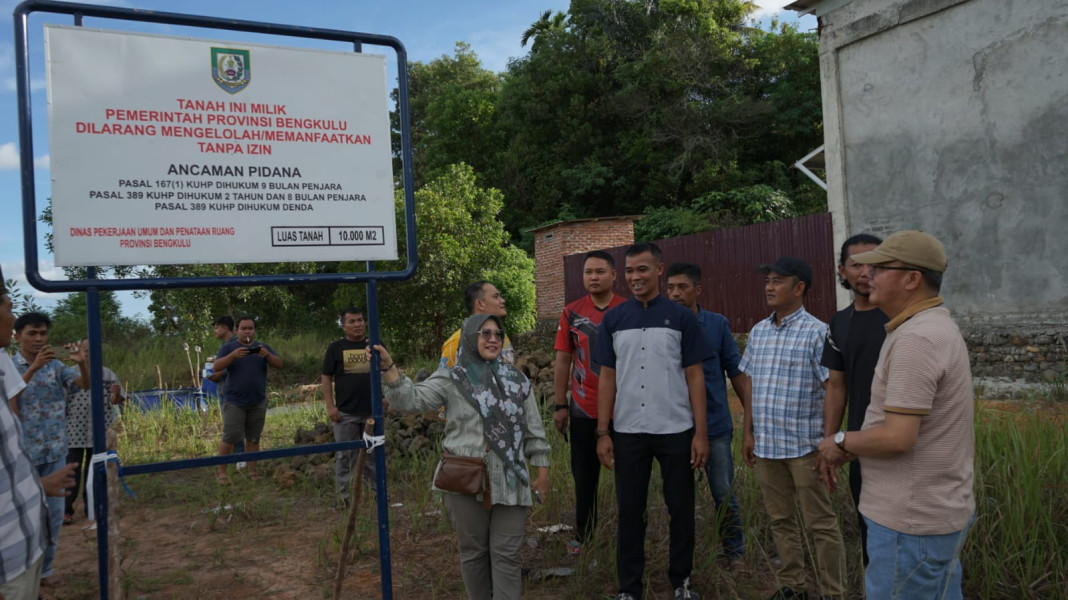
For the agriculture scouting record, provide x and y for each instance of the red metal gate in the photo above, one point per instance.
(731, 284)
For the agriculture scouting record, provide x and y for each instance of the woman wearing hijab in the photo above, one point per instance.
(491, 413)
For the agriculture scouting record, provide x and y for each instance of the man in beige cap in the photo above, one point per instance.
(917, 444)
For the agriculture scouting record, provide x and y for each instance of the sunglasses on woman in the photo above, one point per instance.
(489, 334)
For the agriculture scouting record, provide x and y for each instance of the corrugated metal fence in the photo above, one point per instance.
(731, 284)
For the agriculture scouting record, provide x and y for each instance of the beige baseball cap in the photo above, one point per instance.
(914, 248)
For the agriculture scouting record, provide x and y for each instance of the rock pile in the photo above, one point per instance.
(318, 468)
(538, 367)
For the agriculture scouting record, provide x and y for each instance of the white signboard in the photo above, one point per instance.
(174, 151)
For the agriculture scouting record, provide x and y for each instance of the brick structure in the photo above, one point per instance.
(553, 242)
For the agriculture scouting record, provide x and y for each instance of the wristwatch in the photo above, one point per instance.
(562, 406)
(839, 440)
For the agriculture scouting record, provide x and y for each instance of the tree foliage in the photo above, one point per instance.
(452, 106)
(281, 310)
(461, 240)
(716, 210)
(70, 320)
(622, 106)
(21, 301)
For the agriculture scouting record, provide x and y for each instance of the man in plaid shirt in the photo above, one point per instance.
(783, 425)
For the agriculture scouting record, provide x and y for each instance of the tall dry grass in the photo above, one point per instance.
(1018, 547)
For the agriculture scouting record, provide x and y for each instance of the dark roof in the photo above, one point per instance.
(804, 7)
(573, 221)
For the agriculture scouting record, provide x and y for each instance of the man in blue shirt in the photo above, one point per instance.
(783, 426)
(652, 389)
(684, 287)
(245, 398)
(42, 408)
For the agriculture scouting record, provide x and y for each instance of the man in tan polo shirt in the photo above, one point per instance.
(917, 444)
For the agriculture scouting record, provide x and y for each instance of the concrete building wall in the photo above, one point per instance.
(951, 116)
(553, 243)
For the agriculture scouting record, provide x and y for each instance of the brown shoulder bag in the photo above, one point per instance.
(463, 475)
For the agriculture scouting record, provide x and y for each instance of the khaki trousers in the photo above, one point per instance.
(787, 483)
(490, 542)
(24, 587)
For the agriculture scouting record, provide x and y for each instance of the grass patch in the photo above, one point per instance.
(1018, 547)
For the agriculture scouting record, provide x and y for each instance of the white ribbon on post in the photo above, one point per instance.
(102, 457)
(373, 441)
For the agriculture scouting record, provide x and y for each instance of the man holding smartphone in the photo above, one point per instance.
(42, 408)
(245, 399)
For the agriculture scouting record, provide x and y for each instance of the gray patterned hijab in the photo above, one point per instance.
(497, 390)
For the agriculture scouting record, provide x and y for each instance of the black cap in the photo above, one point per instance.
(790, 265)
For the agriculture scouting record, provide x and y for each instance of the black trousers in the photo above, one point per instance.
(82, 456)
(854, 489)
(634, 454)
(586, 470)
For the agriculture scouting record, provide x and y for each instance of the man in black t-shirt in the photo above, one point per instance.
(346, 385)
(851, 351)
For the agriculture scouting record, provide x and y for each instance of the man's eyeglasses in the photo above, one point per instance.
(489, 334)
(876, 268)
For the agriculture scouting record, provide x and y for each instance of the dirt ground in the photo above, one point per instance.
(285, 548)
(284, 544)
(170, 553)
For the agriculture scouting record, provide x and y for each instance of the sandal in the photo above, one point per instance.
(574, 548)
(68, 519)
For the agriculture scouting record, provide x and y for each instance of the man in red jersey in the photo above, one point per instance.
(575, 338)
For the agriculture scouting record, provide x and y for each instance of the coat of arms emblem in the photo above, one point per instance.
(230, 69)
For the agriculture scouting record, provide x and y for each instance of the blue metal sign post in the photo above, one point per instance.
(92, 285)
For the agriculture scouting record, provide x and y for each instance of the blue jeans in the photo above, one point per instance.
(903, 566)
(720, 473)
(55, 516)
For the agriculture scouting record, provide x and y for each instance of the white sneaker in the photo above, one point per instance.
(683, 592)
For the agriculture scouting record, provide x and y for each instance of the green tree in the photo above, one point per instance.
(21, 301)
(717, 210)
(452, 105)
(627, 106)
(70, 321)
(547, 23)
(280, 310)
(461, 240)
